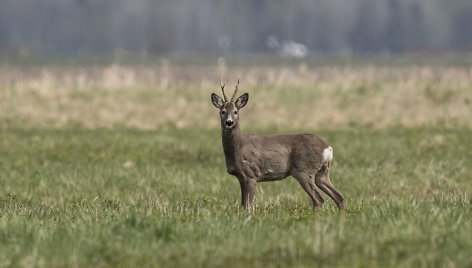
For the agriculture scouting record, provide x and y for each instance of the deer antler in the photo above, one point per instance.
(235, 91)
(223, 89)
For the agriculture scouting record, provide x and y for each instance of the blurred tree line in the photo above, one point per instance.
(209, 26)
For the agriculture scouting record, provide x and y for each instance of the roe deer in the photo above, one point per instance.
(252, 158)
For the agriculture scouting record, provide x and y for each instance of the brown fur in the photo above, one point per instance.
(252, 158)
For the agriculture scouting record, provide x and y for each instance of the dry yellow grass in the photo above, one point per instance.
(285, 97)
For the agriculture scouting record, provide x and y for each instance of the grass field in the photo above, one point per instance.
(123, 166)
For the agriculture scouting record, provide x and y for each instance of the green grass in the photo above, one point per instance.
(124, 197)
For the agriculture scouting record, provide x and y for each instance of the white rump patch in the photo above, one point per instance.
(328, 154)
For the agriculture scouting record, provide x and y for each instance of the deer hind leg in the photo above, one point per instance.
(324, 183)
(306, 181)
(315, 190)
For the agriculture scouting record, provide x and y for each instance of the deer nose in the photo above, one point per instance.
(229, 123)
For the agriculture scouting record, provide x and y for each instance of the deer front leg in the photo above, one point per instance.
(243, 191)
(248, 188)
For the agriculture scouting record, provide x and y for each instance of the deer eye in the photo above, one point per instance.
(235, 112)
(222, 112)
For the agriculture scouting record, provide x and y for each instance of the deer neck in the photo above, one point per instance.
(232, 140)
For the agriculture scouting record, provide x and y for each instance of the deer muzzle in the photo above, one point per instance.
(229, 123)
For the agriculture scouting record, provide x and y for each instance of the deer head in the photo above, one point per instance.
(229, 110)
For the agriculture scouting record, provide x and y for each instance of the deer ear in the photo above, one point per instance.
(216, 100)
(242, 100)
